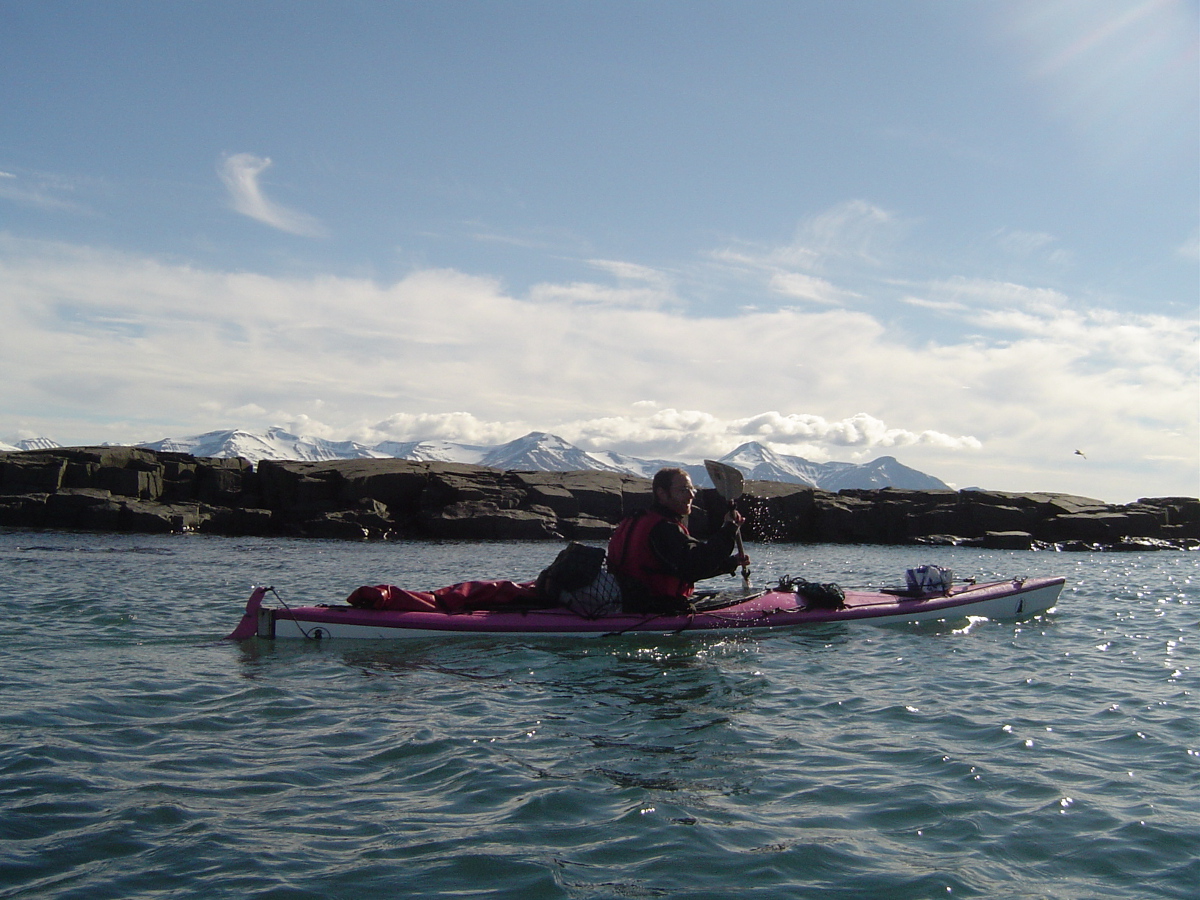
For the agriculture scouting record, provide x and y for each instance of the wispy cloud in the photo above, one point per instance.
(807, 287)
(856, 231)
(1034, 245)
(240, 173)
(40, 190)
(628, 271)
(593, 294)
(840, 244)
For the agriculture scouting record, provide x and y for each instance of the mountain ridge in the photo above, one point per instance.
(538, 451)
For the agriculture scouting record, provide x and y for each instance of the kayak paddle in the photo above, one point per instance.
(728, 482)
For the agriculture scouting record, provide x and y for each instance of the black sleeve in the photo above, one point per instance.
(690, 560)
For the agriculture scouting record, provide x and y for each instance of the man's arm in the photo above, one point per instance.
(688, 559)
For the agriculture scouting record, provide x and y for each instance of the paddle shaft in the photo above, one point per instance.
(741, 549)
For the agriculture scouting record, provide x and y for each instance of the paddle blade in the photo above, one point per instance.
(725, 478)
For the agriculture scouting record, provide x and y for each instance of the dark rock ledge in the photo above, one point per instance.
(136, 490)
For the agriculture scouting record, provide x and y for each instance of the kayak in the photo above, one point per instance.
(731, 611)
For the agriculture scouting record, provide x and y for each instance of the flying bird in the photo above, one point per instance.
(1081, 453)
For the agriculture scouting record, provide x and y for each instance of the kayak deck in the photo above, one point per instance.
(770, 610)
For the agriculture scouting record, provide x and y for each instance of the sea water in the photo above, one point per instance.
(143, 756)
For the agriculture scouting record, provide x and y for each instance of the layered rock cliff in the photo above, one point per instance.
(138, 490)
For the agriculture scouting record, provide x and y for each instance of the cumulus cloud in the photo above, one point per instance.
(458, 427)
(241, 172)
(696, 433)
(861, 430)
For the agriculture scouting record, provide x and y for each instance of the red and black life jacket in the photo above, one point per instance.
(630, 555)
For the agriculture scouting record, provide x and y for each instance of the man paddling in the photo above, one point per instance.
(654, 558)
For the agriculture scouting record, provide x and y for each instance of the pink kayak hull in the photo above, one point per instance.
(773, 610)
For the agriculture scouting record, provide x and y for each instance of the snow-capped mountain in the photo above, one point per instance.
(39, 443)
(539, 452)
(643, 468)
(433, 451)
(762, 464)
(883, 472)
(275, 444)
(542, 452)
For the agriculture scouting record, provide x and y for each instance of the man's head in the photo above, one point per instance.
(673, 489)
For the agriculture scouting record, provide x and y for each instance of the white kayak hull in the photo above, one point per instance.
(770, 611)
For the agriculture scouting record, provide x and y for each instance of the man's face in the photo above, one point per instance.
(679, 498)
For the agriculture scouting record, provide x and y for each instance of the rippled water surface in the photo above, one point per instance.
(142, 756)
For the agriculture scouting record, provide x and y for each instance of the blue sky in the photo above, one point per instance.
(961, 234)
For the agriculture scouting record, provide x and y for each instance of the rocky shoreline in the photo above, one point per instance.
(136, 490)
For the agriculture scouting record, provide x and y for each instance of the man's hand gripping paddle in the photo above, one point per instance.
(728, 482)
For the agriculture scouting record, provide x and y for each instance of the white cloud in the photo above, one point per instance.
(843, 241)
(143, 350)
(936, 305)
(525, 243)
(856, 231)
(807, 287)
(241, 172)
(1032, 245)
(589, 293)
(861, 430)
(459, 427)
(42, 191)
(694, 433)
(627, 271)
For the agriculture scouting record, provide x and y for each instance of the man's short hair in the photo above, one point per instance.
(664, 479)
